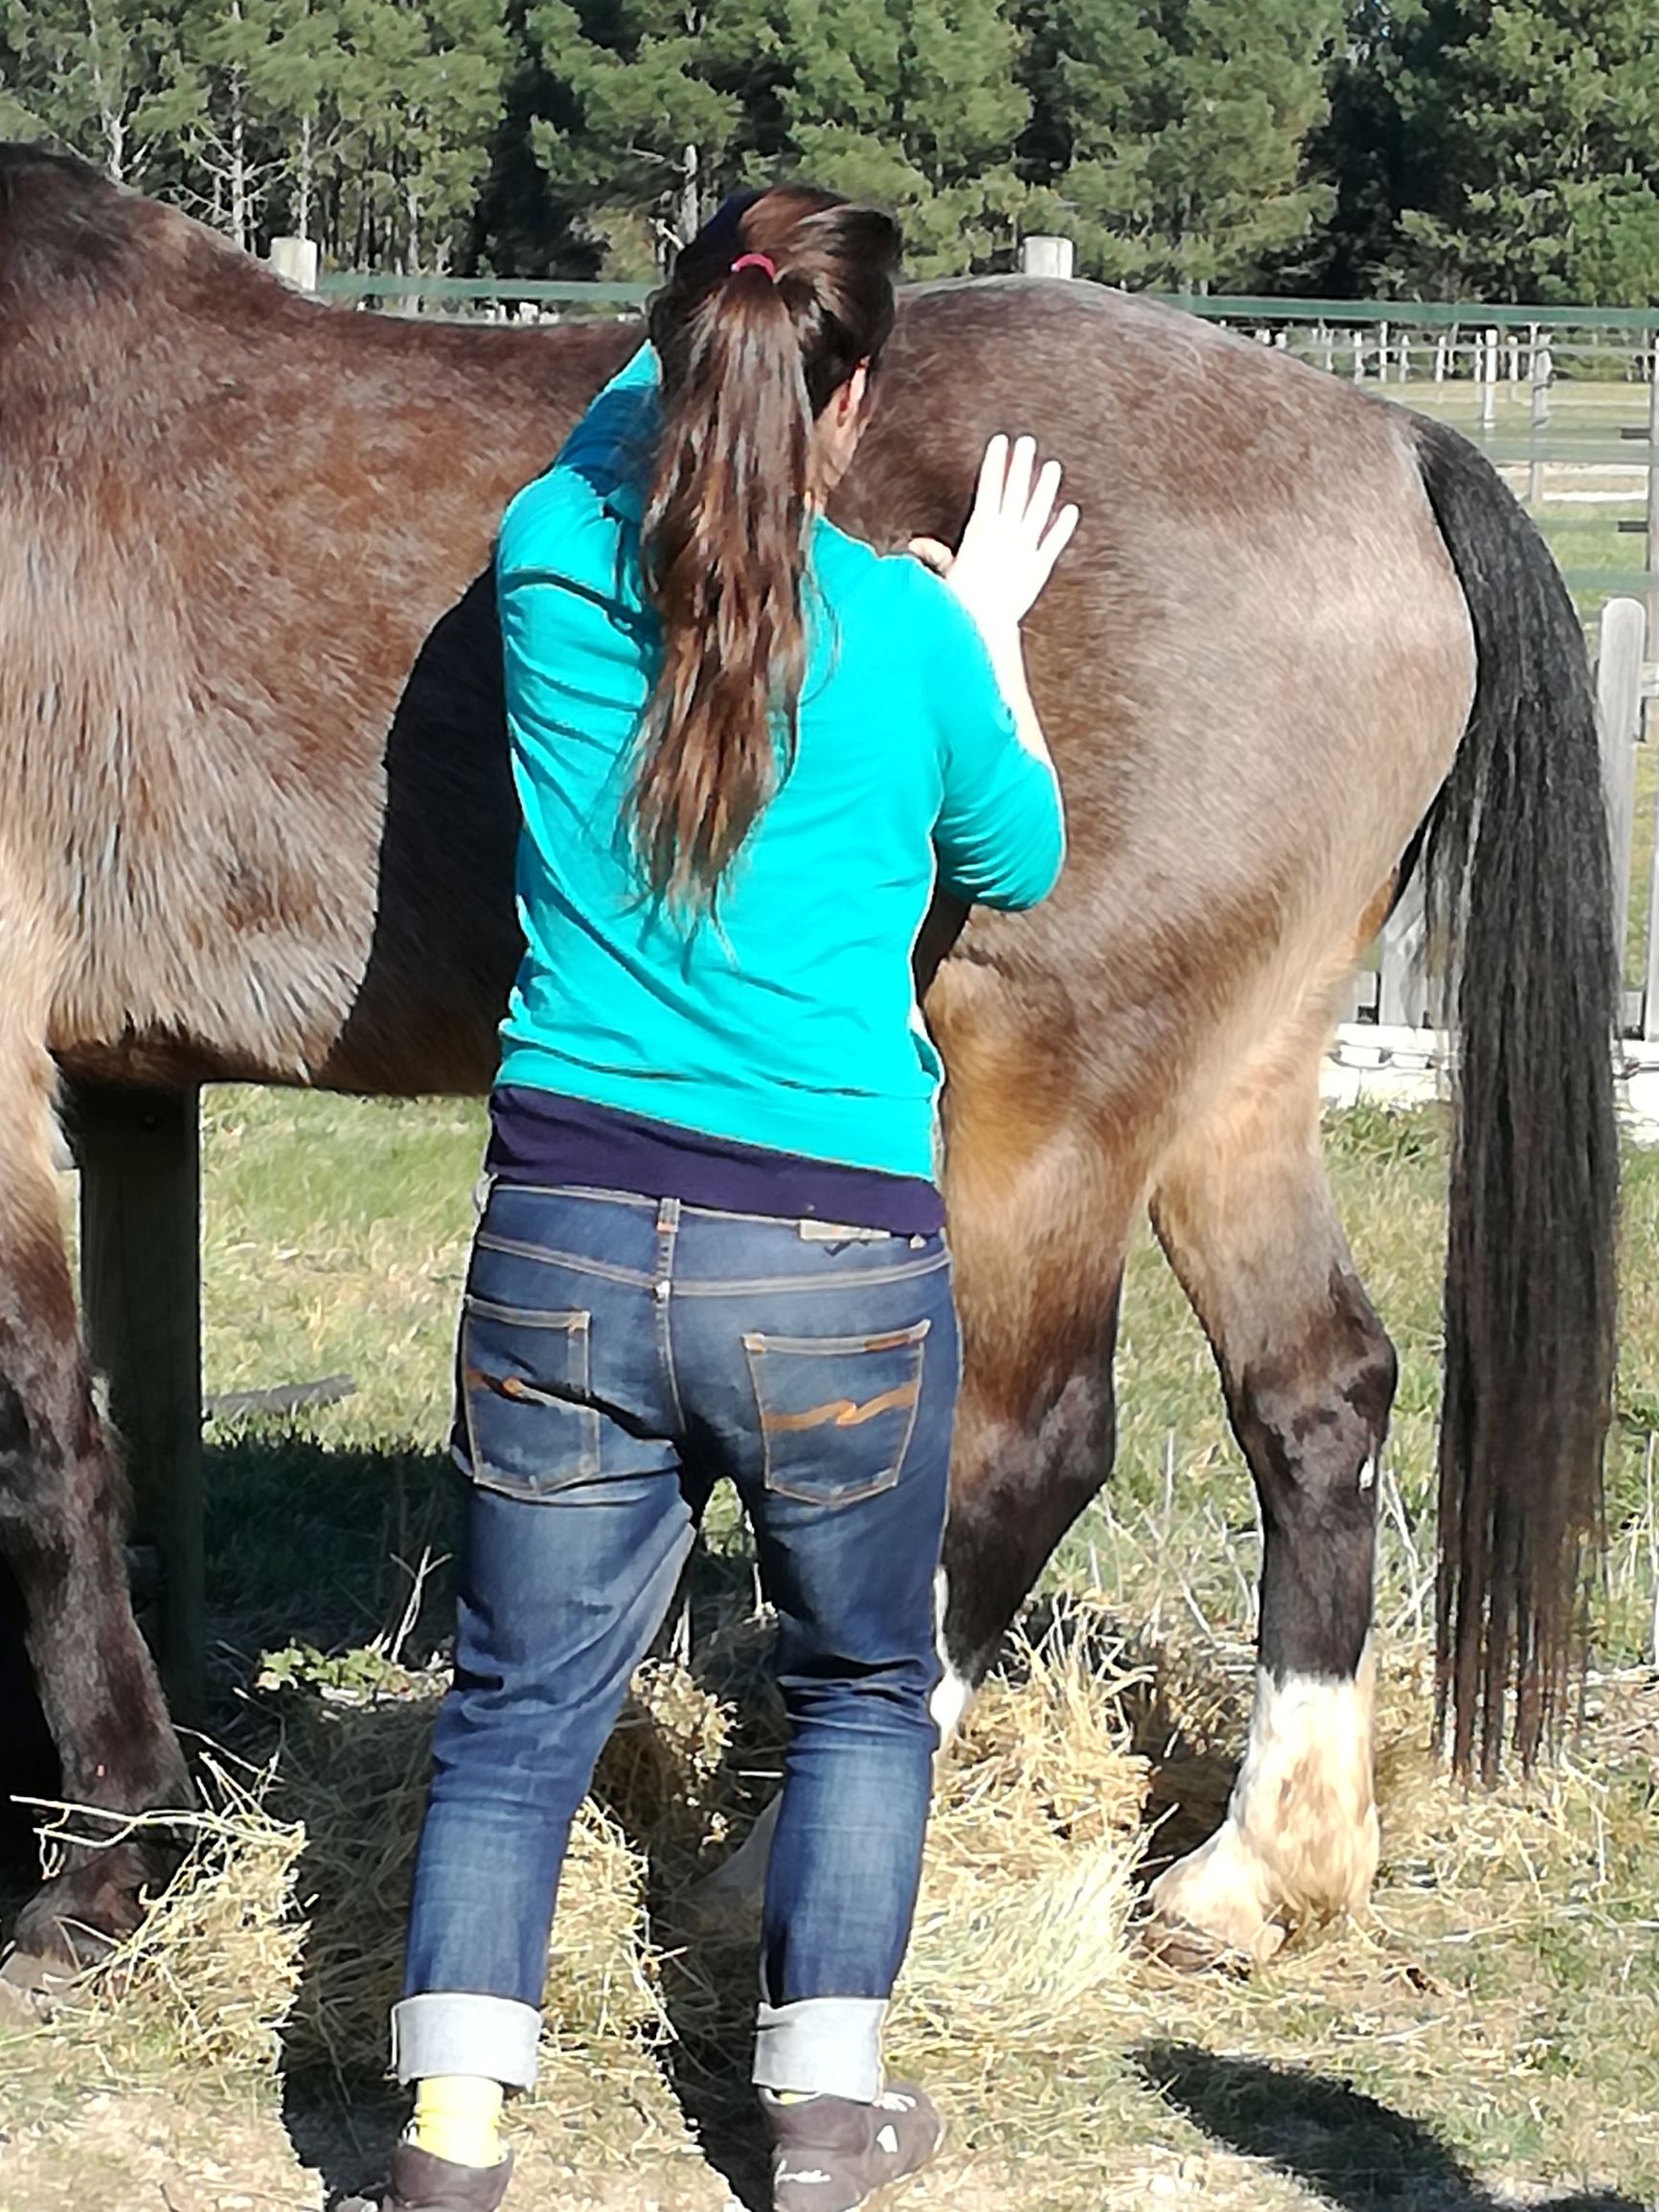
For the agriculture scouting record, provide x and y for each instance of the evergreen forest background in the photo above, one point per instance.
(1327, 147)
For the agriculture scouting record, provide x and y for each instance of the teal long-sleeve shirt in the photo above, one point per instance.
(788, 1020)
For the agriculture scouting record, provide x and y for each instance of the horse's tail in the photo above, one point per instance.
(1519, 886)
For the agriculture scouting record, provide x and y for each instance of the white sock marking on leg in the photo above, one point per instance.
(953, 1696)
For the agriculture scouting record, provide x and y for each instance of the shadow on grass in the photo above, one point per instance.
(312, 1543)
(1355, 2152)
(710, 1987)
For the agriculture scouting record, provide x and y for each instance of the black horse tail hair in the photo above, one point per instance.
(1519, 897)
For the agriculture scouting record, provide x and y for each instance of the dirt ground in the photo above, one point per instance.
(124, 2151)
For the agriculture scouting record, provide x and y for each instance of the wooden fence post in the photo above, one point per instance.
(1488, 356)
(1543, 369)
(141, 1303)
(1623, 634)
(1402, 981)
(1653, 559)
(1044, 255)
(295, 260)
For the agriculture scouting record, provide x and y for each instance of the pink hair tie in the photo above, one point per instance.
(755, 262)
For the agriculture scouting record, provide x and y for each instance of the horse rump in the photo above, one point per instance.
(1519, 897)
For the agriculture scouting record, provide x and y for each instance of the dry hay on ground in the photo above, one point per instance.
(1022, 2002)
(280, 1939)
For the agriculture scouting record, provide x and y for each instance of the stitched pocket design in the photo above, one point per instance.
(836, 1412)
(530, 1426)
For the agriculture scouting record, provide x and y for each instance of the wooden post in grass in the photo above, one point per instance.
(1622, 634)
(1651, 978)
(141, 1305)
(1044, 255)
(1543, 369)
(295, 261)
(1653, 560)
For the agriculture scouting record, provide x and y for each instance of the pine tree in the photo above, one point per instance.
(83, 71)
(665, 105)
(1172, 140)
(213, 105)
(420, 96)
(1530, 135)
(914, 103)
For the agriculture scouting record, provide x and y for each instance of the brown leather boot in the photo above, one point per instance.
(830, 2153)
(420, 2182)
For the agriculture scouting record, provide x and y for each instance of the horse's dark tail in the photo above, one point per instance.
(1519, 887)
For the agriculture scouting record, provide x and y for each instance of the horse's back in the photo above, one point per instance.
(249, 699)
(249, 704)
(1254, 662)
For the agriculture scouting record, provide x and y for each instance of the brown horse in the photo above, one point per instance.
(255, 824)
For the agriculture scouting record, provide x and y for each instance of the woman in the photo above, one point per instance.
(746, 746)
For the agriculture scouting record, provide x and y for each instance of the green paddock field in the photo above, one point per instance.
(1493, 2024)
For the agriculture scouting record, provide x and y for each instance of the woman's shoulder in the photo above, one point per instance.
(560, 522)
(859, 578)
(594, 482)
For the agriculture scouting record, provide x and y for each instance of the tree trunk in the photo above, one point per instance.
(691, 217)
(111, 119)
(302, 199)
(238, 176)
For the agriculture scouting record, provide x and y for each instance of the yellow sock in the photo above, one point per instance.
(458, 2117)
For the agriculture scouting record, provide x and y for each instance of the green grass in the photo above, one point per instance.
(335, 1235)
(1499, 2010)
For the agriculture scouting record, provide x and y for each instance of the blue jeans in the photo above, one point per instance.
(618, 1354)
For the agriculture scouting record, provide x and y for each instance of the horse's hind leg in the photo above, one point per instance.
(1246, 1218)
(60, 1534)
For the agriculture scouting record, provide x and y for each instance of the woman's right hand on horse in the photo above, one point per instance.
(1012, 539)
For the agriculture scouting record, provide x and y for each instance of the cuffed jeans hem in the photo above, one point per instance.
(464, 2031)
(821, 2047)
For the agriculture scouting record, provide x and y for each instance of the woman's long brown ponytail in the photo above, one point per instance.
(749, 360)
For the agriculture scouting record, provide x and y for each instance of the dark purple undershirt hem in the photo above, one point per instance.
(538, 1136)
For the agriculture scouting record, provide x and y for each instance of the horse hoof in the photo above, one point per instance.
(1188, 1950)
(30, 1985)
(78, 1918)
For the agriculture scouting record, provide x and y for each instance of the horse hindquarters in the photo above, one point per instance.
(61, 1535)
(1042, 1203)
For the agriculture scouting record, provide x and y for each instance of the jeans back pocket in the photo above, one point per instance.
(836, 1412)
(524, 1379)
